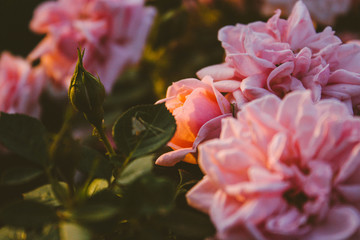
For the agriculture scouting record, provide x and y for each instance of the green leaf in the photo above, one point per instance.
(44, 194)
(135, 169)
(93, 162)
(20, 175)
(152, 126)
(73, 231)
(27, 214)
(101, 207)
(97, 185)
(25, 136)
(90, 213)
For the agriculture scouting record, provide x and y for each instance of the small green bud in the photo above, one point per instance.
(87, 93)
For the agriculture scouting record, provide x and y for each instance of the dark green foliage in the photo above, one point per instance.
(143, 129)
(27, 214)
(25, 136)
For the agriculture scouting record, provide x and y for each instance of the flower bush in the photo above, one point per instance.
(283, 170)
(264, 145)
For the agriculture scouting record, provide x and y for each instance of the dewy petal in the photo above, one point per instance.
(341, 223)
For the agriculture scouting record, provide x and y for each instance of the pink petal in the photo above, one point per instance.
(202, 194)
(217, 72)
(300, 26)
(171, 158)
(341, 223)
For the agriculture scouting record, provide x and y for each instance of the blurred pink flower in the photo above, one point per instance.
(113, 32)
(281, 56)
(198, 109)
(285, 169)
(20, 85)
(323, 11)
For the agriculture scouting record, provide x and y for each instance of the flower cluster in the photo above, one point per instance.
(274, 132)
(281, 56)
(283, 170)
(112, 32)
(272, 58)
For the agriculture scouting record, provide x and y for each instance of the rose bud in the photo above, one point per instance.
(87, 93)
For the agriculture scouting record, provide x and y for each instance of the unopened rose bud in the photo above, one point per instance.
(87, 93)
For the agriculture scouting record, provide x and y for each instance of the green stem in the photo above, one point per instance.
(106, 141)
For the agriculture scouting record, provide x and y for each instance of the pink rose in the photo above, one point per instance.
(20, 85)
(281, 56)
(284, 169)
(323, 11)
(198, 109)
(112, 32)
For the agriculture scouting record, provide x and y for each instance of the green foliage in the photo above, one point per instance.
(25, 136)
(94, 163)
(190, 224)
(27, 214)
(149, 195)
(152, 126)
(20, 175)
(136, 169)
(44, 194)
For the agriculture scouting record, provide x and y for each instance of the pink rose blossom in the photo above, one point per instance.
(113, 33)
(284, 169)
(281, 56)
(198, 109)
(323, 11)
(20, 85)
